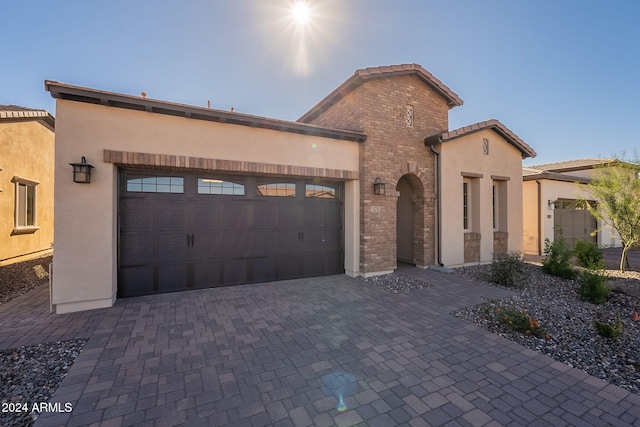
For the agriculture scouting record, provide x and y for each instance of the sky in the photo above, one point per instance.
(563, 75)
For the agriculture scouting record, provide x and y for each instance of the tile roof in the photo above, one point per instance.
(15, 112)
(573, 165)
(113, 99)
(362, 75)
(493, 124)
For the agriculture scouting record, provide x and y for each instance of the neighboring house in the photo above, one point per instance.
(184, 197)
(26, 183)
(553, 204)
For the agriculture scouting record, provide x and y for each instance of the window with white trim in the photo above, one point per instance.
(466, 204)
(25, 205)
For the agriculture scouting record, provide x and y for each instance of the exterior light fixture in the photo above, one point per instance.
(378, 187)
(82, 171)
(552, 204)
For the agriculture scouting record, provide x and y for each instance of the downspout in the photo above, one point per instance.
(438, 216)
(539, 214)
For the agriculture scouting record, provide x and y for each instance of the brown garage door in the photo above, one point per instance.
(573, 221)
(188, 231)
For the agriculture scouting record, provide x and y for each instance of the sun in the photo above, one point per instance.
(301, 12)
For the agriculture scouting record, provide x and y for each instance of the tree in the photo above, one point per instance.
(616, 190)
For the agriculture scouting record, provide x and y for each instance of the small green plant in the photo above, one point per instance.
(609, 330)
(558, 260)
(508, 270)
(591, 286)
(520, 322)
(588, 254)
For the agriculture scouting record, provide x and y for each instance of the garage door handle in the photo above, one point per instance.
(192, 240)
(300, 236)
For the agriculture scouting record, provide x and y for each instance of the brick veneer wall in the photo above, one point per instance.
(391, 151)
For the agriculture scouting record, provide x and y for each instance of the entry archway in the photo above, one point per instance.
(410, 220)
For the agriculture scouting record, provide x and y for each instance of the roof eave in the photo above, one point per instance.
(112, 99)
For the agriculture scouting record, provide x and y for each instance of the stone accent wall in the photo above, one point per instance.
(392, 150)
(500, 243)
(472, 247)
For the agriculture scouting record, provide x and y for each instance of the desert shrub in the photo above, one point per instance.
(520, 322)
(508, 270)
(591, 286)
(558, 260)
(588, 254)
(609, 330)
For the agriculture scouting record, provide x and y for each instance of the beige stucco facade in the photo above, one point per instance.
(463, 161)
(540, 191)
(383, 124)
(26, 156)
(85, 264)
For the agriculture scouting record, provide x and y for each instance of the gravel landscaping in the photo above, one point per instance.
(30, 375)
(568, 322)
(395, 283)
(19, 278)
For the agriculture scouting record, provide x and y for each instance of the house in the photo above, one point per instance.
(553, 204)
(26, 183)
(184, 197)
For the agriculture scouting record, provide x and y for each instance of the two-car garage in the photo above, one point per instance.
(180, 231)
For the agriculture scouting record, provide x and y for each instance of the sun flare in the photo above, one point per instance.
(301, 12)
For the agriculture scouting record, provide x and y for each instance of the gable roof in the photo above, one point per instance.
(113, 99)
(573, 165)
(15, 112)
(492, 124)
(362, 75)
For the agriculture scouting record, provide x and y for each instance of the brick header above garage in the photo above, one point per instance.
(166, 161)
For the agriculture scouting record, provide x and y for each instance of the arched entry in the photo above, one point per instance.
(405, 219)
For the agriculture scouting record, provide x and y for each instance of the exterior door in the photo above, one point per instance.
(188, 231)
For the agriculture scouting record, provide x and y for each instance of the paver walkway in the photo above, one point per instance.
(283, 353)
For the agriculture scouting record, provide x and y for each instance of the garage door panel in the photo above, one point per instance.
(264, 215)
(208, 274)
(233, 216)
(236, 271)
(139, 278)
(189, 240)
(208, 245)
(171, 214)
(207, 215)
(288, 214)
(172, 246)
(236, 244)
(313, 264)
(172, 277)
(263, 243)
(288, 242)
(137, 248)
(288, 266)
(264, 269)
(135, 213)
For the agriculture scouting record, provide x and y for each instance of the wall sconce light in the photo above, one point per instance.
(552, 204)
(378, 187)
(82, 171)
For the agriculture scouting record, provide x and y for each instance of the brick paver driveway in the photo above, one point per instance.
(284, 353)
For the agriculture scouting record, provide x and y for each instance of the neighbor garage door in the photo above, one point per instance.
(186, 231)
(573, 221)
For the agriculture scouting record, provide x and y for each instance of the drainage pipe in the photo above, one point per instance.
(438, 216)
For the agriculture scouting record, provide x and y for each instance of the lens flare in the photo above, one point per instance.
(339, 385)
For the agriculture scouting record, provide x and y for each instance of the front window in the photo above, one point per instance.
(25, 205)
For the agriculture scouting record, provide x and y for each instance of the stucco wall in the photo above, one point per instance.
(550, 191)
(85, 265)
(464, 155)
(26, 151)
